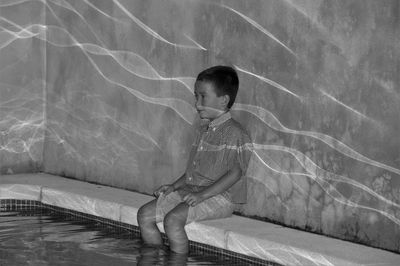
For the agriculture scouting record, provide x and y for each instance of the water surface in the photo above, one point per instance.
(44, 238)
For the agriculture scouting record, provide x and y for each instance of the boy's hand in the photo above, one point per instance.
(192, 199)
(166, 189)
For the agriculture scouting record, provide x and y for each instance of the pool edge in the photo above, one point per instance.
(257, 239)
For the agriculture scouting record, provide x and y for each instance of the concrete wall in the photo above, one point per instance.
(319, 95)
(22, 82)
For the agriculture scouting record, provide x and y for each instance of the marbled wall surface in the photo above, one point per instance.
(319, 95)
(22, 83)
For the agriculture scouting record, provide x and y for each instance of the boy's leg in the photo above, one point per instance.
(216, 207)
(174, 226)
(146, 218)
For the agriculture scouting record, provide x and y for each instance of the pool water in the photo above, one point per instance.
(42, 237)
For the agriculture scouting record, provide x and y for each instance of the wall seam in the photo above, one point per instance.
(44, 82)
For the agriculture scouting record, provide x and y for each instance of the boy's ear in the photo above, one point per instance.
(225, 100)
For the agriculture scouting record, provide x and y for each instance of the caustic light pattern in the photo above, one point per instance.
(103, 91)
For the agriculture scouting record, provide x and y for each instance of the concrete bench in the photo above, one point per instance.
(238, 234)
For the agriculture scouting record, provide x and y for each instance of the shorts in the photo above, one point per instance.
(213, 208)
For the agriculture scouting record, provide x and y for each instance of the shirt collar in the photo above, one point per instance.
(220, 120)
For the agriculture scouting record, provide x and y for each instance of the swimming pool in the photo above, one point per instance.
(236, 236)
(32, 233)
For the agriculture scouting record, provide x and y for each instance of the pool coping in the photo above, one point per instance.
(258, 239)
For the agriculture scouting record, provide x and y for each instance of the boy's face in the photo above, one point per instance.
(208, 104)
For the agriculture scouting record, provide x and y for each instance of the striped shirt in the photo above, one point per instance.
(219, 146)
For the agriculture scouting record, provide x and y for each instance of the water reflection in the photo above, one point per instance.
(44, 238)
(151, 255)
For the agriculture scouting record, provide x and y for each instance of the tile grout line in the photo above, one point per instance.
(226, 238)
(41, 194)
(120, 212)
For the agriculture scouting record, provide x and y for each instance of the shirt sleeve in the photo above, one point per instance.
(244, 152)
(240, 149)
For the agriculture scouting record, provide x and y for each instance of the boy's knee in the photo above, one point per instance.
(144, 214)
(141, 214)
(168, 222)
(173, 222)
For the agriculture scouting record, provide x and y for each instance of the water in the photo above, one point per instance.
(43, 238)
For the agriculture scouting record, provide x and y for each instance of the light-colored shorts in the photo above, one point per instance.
(213, 208)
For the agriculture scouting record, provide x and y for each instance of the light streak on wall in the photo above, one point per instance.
(269, 119)
(346, 106)
(152, 32)
(318, 176)
(260, 28)
(270, 82)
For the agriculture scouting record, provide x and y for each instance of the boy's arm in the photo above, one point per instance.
(170, 187)
(221, 185)
(180, 182)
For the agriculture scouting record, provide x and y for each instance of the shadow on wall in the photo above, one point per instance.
(336, 220)
(20, 167)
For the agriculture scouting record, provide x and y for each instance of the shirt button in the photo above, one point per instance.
(201, 148)
(190, 178)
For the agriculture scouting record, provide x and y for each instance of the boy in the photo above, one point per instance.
(214, 180)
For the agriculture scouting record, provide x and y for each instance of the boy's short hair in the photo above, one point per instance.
(224, 79)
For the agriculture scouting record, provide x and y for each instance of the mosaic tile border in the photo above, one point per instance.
(31, 205)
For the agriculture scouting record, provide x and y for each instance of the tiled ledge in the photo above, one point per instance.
(242, 235)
